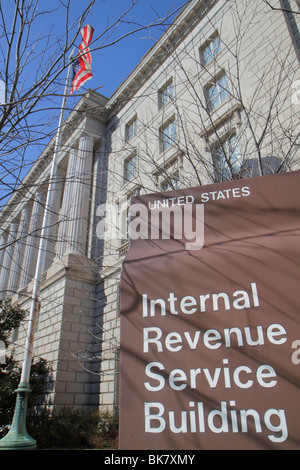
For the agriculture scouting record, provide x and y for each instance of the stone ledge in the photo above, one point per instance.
(72, 265)
(78, 267)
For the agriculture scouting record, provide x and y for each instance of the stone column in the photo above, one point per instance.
(77, 225)
(3, 240)
(7, 258)
(61, 244)
(16, 265)
(52, 228)
(32, 241)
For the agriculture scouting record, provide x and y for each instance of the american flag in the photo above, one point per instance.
(82, 71)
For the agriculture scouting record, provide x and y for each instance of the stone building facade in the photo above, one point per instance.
(216, 98)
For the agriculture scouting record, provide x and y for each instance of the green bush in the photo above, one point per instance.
(73, 429)
(11, 316)
(107, 431)
(10, 374)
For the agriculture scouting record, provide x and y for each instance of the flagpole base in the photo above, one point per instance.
(17, 437)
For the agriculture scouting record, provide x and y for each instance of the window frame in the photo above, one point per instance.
(213, 52)
(222, 158)
(167, 140)
(170, 182)
(131, 129)
(129, 174)
(166, 93)
(217, 92)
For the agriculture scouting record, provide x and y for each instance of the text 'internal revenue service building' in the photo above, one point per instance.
(210, 332)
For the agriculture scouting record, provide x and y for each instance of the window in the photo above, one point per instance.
(167, 135)
(125, 220)
(170, 183)
(218, 92)
(210, 50)
(227, 160)
(165, 94)
(270, 165)
(130, 168)
(131, 129)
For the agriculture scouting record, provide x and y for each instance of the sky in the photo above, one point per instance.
(111, 65)
(112, 60)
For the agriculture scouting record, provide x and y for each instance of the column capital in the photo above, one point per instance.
(14, 226)
(95, 140)
(85, 136)
(8, 256)
(85, 143)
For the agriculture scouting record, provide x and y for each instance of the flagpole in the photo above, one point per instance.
(17, 437)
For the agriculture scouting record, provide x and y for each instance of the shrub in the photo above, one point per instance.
(73, 428)
(70, 429)
(11, 316)
(108, 430)
(10, 375)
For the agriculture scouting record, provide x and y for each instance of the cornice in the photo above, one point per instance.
(183, 24)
